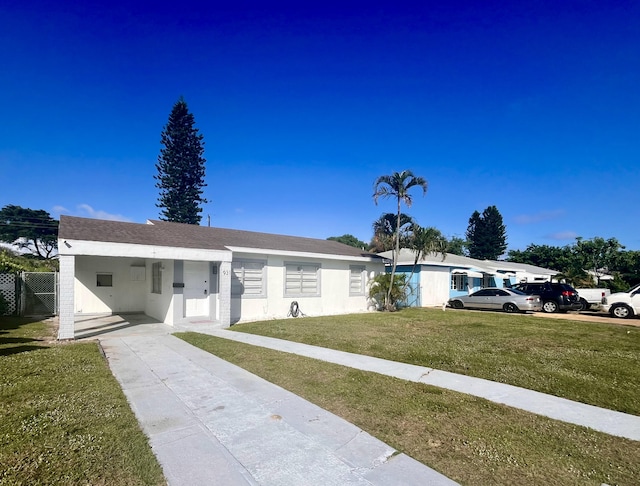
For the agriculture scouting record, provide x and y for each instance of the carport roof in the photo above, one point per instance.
(163, 233)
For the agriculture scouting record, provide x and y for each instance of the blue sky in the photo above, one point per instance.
(533, 107)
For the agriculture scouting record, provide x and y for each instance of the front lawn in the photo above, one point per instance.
(469, 439)
(598, 364)
(63, 417)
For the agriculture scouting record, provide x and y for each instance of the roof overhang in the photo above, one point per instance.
(109, 249)
(467, 272)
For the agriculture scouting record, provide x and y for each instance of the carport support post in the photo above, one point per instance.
(66, 323)
(225, 294)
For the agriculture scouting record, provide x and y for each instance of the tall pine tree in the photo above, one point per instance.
(486, 234)
(181, 168)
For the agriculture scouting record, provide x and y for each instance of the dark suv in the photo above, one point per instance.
(555, 296)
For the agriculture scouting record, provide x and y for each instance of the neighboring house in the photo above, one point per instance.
(436, 280)
(178, 273)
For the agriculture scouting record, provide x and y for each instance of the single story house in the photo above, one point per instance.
(188, 273)
(435, 280)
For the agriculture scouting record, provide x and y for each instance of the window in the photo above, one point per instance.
(104, 280)
(302, 279)
(483, 293)
(156, 278)
(247, 278)
(356, 280)
(458, 282)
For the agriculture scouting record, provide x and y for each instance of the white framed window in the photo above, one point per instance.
(302, 280)
(459, 281)
(356, 279)
(156, 278)
(248, 278)
(104, 280)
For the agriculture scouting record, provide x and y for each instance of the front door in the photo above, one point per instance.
(196, 289)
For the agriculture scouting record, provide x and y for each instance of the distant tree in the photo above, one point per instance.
(384, 230)
(486, 234)
(397, 186)
(181, 168)
(597, 254)
(560, 259)
(32, 230)
(349, 240)
(457, 246)
(626, 269)
(11, 262)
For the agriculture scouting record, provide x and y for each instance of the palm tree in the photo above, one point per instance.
(397, 186)
(384, 229)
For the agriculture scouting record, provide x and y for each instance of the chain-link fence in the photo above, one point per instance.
(29, 293)
(40, 293)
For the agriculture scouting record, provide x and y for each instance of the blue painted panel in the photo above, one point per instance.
(413, 293)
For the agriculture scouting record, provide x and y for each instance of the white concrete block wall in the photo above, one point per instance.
(66, 297)
(435, 283)
(224, 294)
(334, 295)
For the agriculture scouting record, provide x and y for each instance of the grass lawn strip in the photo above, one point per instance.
(63, 416)
(470, 440)
(593, 363)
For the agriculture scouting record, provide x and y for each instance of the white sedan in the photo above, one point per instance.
(508, 300)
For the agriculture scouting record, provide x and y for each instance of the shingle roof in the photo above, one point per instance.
(163, 233)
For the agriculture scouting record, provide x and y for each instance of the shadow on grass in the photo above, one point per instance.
(15, 335)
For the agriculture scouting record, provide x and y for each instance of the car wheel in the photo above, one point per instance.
(623, 311)
(549, 306)
(585, 305)
(510, 308)
(456, 304)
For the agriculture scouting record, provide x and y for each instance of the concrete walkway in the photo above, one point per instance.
(600, 419)
(212, 423)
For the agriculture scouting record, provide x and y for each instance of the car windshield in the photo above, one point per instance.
(633, 289)
(516, 291)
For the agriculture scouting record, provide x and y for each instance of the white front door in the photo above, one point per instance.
(196, 289)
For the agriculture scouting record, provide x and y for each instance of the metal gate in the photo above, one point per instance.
(39, 293)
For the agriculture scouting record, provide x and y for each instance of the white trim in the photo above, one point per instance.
(130, 250)
(302, 254)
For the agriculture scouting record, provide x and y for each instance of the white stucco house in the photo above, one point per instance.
(436, 280)
(187, 273)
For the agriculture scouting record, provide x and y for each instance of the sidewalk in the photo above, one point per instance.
(212, 423)
(600, 419)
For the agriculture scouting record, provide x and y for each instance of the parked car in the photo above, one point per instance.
(555, 296)
(592, 298)
(623, 304)
(508, 300)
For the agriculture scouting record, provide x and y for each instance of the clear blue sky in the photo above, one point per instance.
(533, 107)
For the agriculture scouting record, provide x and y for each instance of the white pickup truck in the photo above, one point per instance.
(623, 304)
(592, 297)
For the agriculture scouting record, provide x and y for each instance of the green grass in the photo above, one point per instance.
(471, 440)
(63, 417)
(593, 363)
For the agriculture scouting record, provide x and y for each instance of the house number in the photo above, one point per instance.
(225, 272)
